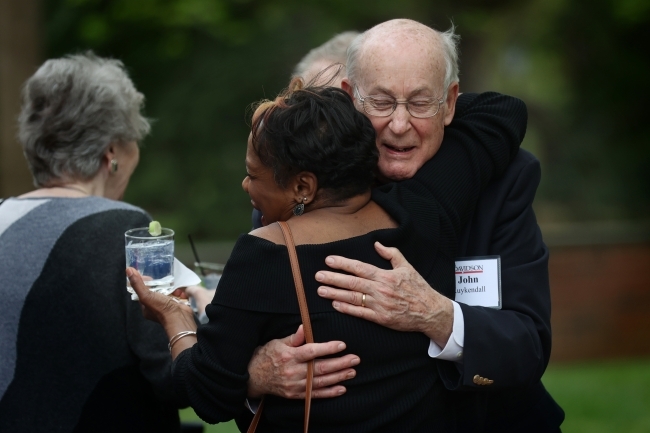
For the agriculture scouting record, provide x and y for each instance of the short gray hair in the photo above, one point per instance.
(334, 50)
(449, 40)
(73, 109)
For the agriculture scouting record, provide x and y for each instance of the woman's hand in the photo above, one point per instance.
(168, 311)
(156, 307)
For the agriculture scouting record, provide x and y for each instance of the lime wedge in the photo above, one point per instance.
(154, 228)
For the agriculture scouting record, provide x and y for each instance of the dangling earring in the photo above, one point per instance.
(113, 165)
(299, 209)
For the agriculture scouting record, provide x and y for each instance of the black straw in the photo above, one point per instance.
(196, 256)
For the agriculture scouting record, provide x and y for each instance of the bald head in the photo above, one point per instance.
(435, 50)
(407, 65)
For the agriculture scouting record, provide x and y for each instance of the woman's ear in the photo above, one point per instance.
(304, 187)
(109, 156)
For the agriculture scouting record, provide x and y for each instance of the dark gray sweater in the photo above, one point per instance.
(75, 352)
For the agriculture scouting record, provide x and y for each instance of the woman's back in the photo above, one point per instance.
(77, 355)
(395, 386)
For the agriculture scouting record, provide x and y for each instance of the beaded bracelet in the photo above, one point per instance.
(177, 337)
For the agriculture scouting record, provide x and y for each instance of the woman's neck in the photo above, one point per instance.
(355, 216)
(68, 189)
(345, 207)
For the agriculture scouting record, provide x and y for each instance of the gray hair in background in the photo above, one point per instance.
(334, 50)
(73, 109)
(449, 40)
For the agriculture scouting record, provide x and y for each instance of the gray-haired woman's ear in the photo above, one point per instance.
(73, 109)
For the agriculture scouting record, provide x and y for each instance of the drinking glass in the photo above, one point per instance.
(210, 273)
(152, 257)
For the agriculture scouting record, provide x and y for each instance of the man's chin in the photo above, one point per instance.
(397, 172)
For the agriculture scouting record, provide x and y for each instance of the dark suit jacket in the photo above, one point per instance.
(511, 346)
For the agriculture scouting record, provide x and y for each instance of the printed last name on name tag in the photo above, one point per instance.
(478, 281)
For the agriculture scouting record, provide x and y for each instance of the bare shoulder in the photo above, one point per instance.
(271, 233)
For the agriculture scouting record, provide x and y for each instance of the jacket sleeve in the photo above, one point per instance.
(478, 145)
(491, 123)
(510, 346)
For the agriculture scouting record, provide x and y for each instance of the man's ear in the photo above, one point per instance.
(304, 185)
(449, 105)
(347, 87)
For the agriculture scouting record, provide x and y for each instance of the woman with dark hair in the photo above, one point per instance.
(311, 162)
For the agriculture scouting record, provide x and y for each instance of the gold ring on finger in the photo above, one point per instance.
(363, 301)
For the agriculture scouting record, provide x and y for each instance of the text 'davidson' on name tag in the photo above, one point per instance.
(478, 281)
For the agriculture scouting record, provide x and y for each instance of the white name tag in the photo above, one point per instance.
(478, 281)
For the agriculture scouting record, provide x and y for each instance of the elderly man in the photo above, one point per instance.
(491, 354)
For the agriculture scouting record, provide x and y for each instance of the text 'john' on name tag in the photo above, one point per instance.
(478, 281)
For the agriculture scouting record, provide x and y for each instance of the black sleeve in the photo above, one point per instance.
(478, 145)
(212, 375)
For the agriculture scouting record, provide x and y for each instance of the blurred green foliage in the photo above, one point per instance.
(602, 396)
(579, 64)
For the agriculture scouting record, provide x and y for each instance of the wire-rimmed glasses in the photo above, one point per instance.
(384, 106)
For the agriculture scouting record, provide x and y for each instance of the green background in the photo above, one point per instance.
(580, 65)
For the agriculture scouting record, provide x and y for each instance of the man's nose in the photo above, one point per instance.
(400, 120)
(244, 184)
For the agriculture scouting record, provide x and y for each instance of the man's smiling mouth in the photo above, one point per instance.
(399, 149)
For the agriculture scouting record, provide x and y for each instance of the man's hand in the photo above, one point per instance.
(280, 368)
(399, 299)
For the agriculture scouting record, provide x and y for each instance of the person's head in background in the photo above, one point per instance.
(322, 58)
(395, 62)
(80, 124)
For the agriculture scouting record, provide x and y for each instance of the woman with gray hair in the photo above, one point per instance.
(76, 353)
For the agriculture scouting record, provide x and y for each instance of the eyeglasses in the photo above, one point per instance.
(384, 106)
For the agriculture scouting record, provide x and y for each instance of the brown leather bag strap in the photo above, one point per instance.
(304, 312)
(297, 279)
(256, 418)
(306, 325)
